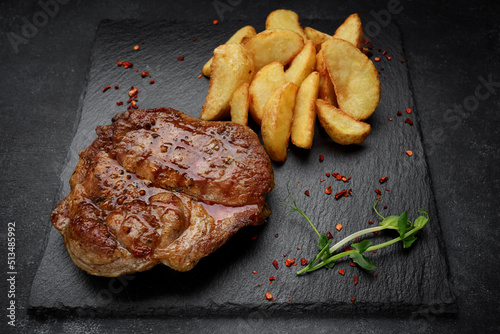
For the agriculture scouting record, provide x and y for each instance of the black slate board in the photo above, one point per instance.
(223, 283)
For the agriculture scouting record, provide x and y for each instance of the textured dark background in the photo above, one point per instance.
(450, 47)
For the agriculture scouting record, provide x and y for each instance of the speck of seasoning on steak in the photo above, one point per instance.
(171, 189)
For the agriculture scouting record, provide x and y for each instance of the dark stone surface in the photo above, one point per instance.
(223, 283)
(449, 45)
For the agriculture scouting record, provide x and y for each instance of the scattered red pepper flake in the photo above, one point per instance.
(382, 180)
(133, 92)
(329, 235)
(215, 22)
(136, 70)
(408, 110)
(321, 158)
(269, 296)
(370, 222)
(136, 47)
(409, 121)
(275, 264)
(254, 237)
(352, 264)
(127, 64)
(306, 192)
(386, 189)
(151, 82)
(390, 118)
(385, 207)
(289, 262)
(106, 88)
(355, 280)
(199, 76)
(400, 113)
(303, 262)
(119, 63)
(403, 61)
(194, 39)
(409, 152)
(322, 180)
(276, 235)
(353, 299)
(342, 272)
(376, 58)
(338, 227)
(117, 87)
(342, 193)
(327, 174)
(388, 57)
(347, 248)
(328, 190)
(254, 272)
(144, 74)
(374, 251)
(271, 279)
(120, 103)
(379, 193)
(181, 58)
(376, 232)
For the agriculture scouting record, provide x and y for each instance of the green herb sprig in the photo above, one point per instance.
(327, 257)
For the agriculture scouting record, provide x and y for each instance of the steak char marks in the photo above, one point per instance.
(160, 186)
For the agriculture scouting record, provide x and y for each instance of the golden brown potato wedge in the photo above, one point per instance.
(341, 127)
(352, 31)
(241, 36)
(304, 115)
(355, 78)
(316, 36)
(277, 121)
(266, 81)
(302, 65)
(239, 104)
(285, 19)
(274, 45)
(231, 67)
(326, 89)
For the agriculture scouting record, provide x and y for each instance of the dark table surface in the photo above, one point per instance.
(452, 51)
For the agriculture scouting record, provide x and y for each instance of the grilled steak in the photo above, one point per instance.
(160, 186)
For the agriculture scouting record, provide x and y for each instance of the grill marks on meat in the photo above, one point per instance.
(160, 186)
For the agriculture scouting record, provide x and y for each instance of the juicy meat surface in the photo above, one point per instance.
(160, 186)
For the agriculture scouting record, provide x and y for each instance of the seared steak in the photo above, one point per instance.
(160, 186)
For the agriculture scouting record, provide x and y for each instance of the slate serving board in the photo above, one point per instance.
(224, 282)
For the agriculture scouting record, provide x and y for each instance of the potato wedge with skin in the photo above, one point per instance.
(316, 36)
(304, 115)
(231, 67)
(285, 19)
(326, 89)
(266, 81)
(277, 121)
(274, 45)
(351, 31)
(241, 36)
(355, 78)
(302, 65)
(239, 104)
(341, 127)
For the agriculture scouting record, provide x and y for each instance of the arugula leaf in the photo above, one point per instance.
(390, 222)
(408, 241)
(362, 246)
(402, 224)
(421, 221)
(363, 261)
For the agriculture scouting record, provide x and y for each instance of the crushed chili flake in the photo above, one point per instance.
(303, 262)
(271, 279)
(338, 227)
(403, 61)
(342, 272)
(342, 193)
(136, 70)
(322, 180)
(275, 264)
(370, 46)
(347, 248)
(388, 57)
(390, 118)
(133, 92)
(374, 251)
(386, 189)
(199, 76)
(144, 74)
(352, 264)
(409, 152)
(355, 280)
(384, 52)
(152, 82)
(127, 64)
(370, 222)
(119, 63)
(378, 192)
(306, 192)
(408, 110)
(106, 88)
(117, 87)
(385, 207)
(353, 299)
(400, 113)
(136, 47)
(254, 237)
(327, 174)
(181, 58)
(329, 235)
(269, 296)
(382, 180)
(120, 103)
(376, 232)
(254, 272)
(409, 121)
(289, 262)
(215, 22)
(328, 190)
(194, 38)
(376, 58)
(321, 158)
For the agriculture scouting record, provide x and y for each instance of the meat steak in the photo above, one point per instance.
(160, 186)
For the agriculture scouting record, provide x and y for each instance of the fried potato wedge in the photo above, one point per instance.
(274, 45)
(241, 36)
(316, 36)
(326, 89)
(352, 31)
(355, 78)
(239, 104)
(285, 19)
(341, 127)
(231, 67)
(277, 121)
(302, 65)
(266, 81)
(304, 115)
